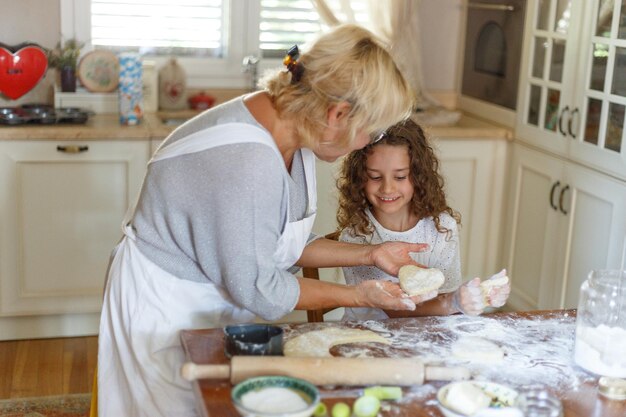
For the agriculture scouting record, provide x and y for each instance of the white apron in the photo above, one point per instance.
(145, 307)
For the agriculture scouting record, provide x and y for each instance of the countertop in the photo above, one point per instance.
(98, 127)
(538, 353)
(107, 127)
(470, 127)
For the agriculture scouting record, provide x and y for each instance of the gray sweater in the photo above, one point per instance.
(216, 215)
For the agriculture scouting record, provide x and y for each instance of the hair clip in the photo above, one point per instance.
(378, 136)
(293, 66)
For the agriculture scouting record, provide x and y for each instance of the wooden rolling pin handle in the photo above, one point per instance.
(191, 371)
(441, 373)
(331, 371)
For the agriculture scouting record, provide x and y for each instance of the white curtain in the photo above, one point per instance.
(397, 23)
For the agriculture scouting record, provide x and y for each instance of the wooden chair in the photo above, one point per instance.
(317, 316)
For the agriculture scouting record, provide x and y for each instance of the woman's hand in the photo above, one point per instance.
(391, 256)
(383, 294)
(388, 295)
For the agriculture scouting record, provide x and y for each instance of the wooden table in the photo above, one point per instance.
(538, 346)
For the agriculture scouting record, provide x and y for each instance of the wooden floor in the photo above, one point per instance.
(33, 368)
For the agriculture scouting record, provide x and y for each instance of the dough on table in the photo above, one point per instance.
(317, 343)
(466, 398)
(477, 349)
(418, 281)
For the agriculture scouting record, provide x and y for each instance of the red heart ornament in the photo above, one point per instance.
(20, 71)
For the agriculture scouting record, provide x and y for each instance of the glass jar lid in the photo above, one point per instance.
(614, 388)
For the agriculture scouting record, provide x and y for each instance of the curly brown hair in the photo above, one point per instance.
(428, 199)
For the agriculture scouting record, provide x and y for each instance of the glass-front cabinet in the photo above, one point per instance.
(573, 82)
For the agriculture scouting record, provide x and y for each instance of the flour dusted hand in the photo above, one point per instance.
(474, 296)
(383, 294)
(469, 298)
(496, 289)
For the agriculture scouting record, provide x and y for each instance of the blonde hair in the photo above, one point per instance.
(346, 64)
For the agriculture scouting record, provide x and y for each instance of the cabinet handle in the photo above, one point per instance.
(554, 187)
(72, 149)
(561, 117)
(561, 199)
(489, 6)
(569, 123)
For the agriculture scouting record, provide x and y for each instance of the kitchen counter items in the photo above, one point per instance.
(42, 114)
(538, 349)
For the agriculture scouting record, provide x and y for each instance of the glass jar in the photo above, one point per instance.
(538, 402)
(601, 324)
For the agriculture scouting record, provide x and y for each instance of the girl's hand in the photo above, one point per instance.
(497, 295)
(383, 294)
(469, 298)
(391, 256)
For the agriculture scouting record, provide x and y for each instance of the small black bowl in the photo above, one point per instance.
(253, 339)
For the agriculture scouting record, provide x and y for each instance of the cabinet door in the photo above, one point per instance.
(474, 171)
(593, 231)
(547, 79)
(531, 236)
(61, 213)
(598, 119)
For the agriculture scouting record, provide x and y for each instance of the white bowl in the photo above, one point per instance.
(503, 403)
(307, 391)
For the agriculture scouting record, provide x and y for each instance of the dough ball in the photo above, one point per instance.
(418, 281)
(317, 343)
(477, 349)
(466, 398)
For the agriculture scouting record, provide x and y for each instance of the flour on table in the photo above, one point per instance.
(538, 352)
(317, 343)
(477, 349)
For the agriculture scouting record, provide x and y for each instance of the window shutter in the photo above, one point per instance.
(285, 23)
(159, 27)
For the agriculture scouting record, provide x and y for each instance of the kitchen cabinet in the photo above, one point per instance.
(61, 209)
(564, 220)
(573, 82)
(475, 172)
(154, 145)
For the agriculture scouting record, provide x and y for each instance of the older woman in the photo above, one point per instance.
(227, 207)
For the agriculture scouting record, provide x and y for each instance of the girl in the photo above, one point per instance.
(391, 191)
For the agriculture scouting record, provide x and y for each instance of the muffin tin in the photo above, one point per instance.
(42, 114)
(253, 339)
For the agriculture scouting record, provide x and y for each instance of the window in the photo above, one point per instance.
(158, 27)
(284, 23)
(210, 38)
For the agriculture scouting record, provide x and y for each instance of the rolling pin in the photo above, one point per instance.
(328, 371)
